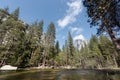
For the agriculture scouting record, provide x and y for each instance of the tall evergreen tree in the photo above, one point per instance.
(65, 49)
(51, 34)
(6, 9)
(107, 50)
(34, 43)
(16, 12)
(13, 42)
(93, 45)
(70, 45)
(49, 49)
(57, 47)
(95, 51)
(105, 14)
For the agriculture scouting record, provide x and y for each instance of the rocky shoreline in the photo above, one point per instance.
(9, 67)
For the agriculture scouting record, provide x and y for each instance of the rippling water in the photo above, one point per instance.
(72, 74)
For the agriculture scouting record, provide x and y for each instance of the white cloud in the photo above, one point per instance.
(79, 37)
(75, 7)
(76, 30)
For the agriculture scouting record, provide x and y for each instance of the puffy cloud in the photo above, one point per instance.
(79, 37)
(76, 30)
(75, 7)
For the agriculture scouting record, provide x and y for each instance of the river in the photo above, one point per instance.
(71, 74)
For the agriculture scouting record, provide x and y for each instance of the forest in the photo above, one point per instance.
(27, 45)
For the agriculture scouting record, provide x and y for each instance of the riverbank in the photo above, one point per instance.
(108, 69)
(9, 67)
(51, 67)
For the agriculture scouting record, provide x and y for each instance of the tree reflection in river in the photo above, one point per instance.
(74, 74)
(86, 75)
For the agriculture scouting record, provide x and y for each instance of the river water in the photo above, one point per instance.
(71, 74)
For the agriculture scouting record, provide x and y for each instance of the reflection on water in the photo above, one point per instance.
(74, 74)
(87, 75)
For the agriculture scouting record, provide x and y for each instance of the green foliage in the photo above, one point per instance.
(34, 45)
(6, 9)
(29, 46)
(104, 13)
(20, 46)
(12, 41)
(57, 47)
(94, 49)
(15, 13)
(107, 50)
(68, 51)
(51, 34)
(70, 45)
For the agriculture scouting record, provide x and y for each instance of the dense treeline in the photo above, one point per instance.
(105, 15)
(96, 53)
(26, 45)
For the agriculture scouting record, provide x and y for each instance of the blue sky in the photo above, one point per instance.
(67, 15)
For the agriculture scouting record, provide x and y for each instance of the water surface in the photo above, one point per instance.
(72, 74)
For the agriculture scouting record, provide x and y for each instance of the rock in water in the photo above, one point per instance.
(8, 67)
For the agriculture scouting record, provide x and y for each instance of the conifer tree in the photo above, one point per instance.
(49, 49)
(35, 46)
(70, 45)
(57, 47)
(95, 51)
(51, 34)
(107, 50)
(105, 14)
(13, 41)
(15, 13)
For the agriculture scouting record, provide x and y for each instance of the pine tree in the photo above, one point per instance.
(13, 41)
(105, 14)
(15, 13)
(34, 43)
(70, 46)
(66, 53)
(57, 47)
(49, 49)
(93, 45)
(107, 50)
(6, 9)
(51, 34)
(95, 51)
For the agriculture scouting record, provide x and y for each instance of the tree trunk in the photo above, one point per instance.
(114, 60)
(114, 39)
(83, 63)
(44, 58)
(2, 62)
(115, 42)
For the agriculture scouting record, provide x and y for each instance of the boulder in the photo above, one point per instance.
(8, 67)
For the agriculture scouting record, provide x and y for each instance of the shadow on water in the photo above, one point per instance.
(71, 74)
(29, 75)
